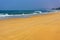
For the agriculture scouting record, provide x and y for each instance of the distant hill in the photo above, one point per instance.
(56, 8)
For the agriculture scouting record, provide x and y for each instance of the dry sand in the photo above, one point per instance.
(40, 27)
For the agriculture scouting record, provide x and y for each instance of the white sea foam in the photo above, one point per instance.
(20, 15)
(6, 15)
(38, 11)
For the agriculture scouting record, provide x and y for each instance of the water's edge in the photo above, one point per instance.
(6, 16)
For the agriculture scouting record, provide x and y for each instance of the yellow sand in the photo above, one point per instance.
(41, 27)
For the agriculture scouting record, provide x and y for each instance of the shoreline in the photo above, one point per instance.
(27, 15)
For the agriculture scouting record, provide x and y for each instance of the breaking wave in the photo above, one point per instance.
(23, 14)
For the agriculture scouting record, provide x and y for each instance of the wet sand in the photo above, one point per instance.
(40, 27)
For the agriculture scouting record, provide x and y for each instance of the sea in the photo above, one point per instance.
(20, 13)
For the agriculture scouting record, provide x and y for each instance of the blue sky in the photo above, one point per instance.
(28, 4)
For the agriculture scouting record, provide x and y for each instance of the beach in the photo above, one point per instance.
(38, 27)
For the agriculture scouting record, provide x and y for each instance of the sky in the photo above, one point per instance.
(28, 4)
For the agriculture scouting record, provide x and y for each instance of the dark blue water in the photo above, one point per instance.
(14, 12)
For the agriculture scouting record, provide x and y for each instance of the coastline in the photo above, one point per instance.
(37, 27)
(2, 17)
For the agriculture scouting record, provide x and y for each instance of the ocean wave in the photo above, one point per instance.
(7, 15)
(4, 15)
(38, 12)
(23, 14)
(20, 15)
